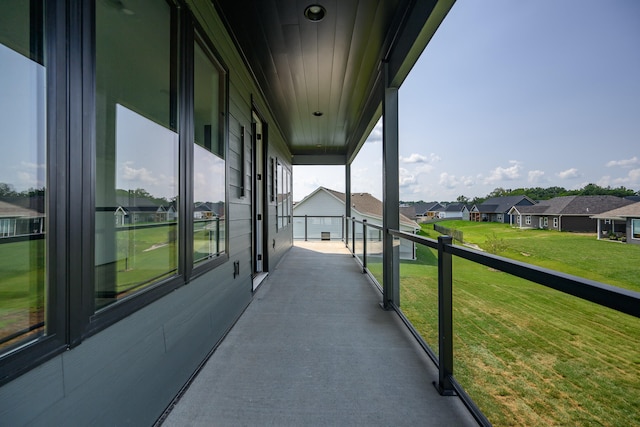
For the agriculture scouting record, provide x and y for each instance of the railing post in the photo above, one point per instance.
(346, 231)
(342, 229)
(364, 245)
(305, 228)
(353, 236)
(445, 317)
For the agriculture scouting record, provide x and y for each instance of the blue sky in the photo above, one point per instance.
(513, 94)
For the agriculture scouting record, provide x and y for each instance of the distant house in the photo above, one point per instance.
(455, 211)
(496, 209)
(16, 220)
(566, 213)
(140, 210)
(427, 210)
(628, 215)
(325, 208)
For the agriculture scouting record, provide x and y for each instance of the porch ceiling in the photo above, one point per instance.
(332, 66)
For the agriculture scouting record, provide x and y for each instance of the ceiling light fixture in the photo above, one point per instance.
(317, 113)
(315, 12)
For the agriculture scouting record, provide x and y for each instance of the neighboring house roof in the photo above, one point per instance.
(455, 207)
(574, 205)
(408, 211)
(9, 210)
(423, 207)
(628, 211)
(502, 204)
(141, 204)
(364, 203)
(633, 198)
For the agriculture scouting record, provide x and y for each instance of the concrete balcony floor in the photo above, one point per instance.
(315, 348)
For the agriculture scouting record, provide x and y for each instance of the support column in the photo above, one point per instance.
(390, 193)
(347, 202)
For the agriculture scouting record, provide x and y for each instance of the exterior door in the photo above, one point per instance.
(258, 197)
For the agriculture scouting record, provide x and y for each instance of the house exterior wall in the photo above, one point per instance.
(127, 373)
(580, 224)
(324, 213)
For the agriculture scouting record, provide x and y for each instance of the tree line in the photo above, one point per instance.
(540, 193)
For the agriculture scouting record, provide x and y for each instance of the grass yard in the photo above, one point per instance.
(529, 355)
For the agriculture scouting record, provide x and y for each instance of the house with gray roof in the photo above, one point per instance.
(323, 211)
(566, 213)
(629, 215)
(455, 211)
(427, 210)
(496, 209)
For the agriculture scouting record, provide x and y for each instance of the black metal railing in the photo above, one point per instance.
(622, 300)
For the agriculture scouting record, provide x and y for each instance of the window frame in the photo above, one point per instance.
(198, 35)
(635, 224)
(17, 360)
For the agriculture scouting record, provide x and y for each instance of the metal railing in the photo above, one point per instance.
(319, 227)
(622, 300)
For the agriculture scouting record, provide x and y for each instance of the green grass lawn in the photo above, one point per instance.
(529, 355)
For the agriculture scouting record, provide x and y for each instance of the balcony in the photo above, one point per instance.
(315, 348)
(318, 372)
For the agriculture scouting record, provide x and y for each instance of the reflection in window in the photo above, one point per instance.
(635, 228)
(22, 173)
(209, 174)
(136, 149)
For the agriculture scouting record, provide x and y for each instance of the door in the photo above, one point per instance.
(258, 197)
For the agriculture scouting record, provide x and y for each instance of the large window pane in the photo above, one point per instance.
(209, 176)
(136, 148)
(22, 173)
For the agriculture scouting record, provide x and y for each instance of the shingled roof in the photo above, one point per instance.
(575, 205)
(502, 204)
(628, 211)
(366, 204)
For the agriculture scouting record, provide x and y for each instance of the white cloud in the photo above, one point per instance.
(131, 174)
(632, 179)
(406, 178)
(568, 174)
(419, 158)
(376, 133)
(448, 181)
(627, 163)
(536, 176)
(504, 174)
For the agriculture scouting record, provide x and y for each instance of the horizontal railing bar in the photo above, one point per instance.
(377, 227)
(620, 299)
(318, 216)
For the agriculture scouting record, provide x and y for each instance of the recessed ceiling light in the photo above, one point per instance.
(315, 12)
(317, 113)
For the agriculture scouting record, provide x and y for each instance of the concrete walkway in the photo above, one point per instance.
(314, 348)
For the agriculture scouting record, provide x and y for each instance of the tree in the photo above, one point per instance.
(462, 199)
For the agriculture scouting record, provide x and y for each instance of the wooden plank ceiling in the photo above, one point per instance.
(330, 67)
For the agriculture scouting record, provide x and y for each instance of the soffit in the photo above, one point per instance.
(332, 66)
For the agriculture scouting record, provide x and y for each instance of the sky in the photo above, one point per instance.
(512, 94)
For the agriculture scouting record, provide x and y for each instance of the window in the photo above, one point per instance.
(136, 219)
(23, 268)
(209, 167)
(607, 221)
(635, 228)
(279, 194)
(285, 200)
(527, 219)
(546, 221)
(555, 222)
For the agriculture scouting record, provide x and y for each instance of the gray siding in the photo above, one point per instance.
(128, 373)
